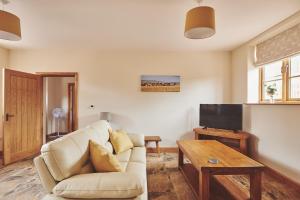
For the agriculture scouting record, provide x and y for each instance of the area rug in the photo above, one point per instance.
(165, 182)
(20, 181)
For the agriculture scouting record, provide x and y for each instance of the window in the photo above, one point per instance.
(280, 81)
(272, 77)
(294, 78)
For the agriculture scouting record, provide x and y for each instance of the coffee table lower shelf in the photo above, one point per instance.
(220, 184)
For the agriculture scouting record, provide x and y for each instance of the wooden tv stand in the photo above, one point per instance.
(235, 140)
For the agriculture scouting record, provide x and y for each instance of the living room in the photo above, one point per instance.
(111, 44)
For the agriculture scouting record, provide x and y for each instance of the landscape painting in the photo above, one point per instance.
(160, 83)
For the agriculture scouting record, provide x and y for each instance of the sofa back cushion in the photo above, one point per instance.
(66, 156)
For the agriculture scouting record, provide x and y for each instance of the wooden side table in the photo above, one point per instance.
(155, 139)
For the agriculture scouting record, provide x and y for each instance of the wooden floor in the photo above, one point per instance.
(166, 182)
(20, 181)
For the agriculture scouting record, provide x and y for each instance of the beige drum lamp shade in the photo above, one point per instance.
(200, 23)
(9, 26)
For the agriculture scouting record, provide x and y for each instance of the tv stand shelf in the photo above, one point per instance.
(235, 140)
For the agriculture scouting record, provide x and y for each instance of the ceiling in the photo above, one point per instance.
(140, 24)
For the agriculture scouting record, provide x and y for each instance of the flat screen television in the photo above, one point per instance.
(222, 116)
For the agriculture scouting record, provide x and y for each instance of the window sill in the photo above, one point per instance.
(276, 103)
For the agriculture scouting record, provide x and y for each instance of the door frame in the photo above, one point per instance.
(66, 74)
(70, 98)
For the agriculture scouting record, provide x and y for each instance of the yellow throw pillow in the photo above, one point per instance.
(102, 159)
(120, 141)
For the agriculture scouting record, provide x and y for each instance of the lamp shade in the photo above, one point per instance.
(200, 23)
(9, 26)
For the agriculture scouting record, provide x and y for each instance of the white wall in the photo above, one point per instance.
(3, 63)
(239, 75)
(3, 57)
(276, 137)
(275, 128)
(111, 82)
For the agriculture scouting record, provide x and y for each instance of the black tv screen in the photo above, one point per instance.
(222, 116)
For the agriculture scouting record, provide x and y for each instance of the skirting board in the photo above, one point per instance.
(282, 178)
(163, 150)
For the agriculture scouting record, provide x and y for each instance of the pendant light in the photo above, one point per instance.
(9, 25)
(200, 22)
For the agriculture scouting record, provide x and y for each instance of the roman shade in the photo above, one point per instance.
(283, 45)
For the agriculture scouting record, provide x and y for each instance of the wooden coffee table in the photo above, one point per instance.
(231, 162)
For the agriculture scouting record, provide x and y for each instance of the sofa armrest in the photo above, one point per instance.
(101, 185)
(46, 178)
(138, 140)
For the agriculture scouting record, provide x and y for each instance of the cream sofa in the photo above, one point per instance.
(67, 173)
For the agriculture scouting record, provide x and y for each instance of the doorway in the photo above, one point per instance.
(59, 104)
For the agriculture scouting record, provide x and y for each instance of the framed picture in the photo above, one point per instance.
(160, 83)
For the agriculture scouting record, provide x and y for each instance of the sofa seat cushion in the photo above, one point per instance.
(138, 154)
(124, 166)
(138, 169)
(101, 185)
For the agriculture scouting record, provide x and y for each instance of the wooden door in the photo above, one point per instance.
(22, 115)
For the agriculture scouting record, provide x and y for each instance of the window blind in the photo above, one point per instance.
(278, 47)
